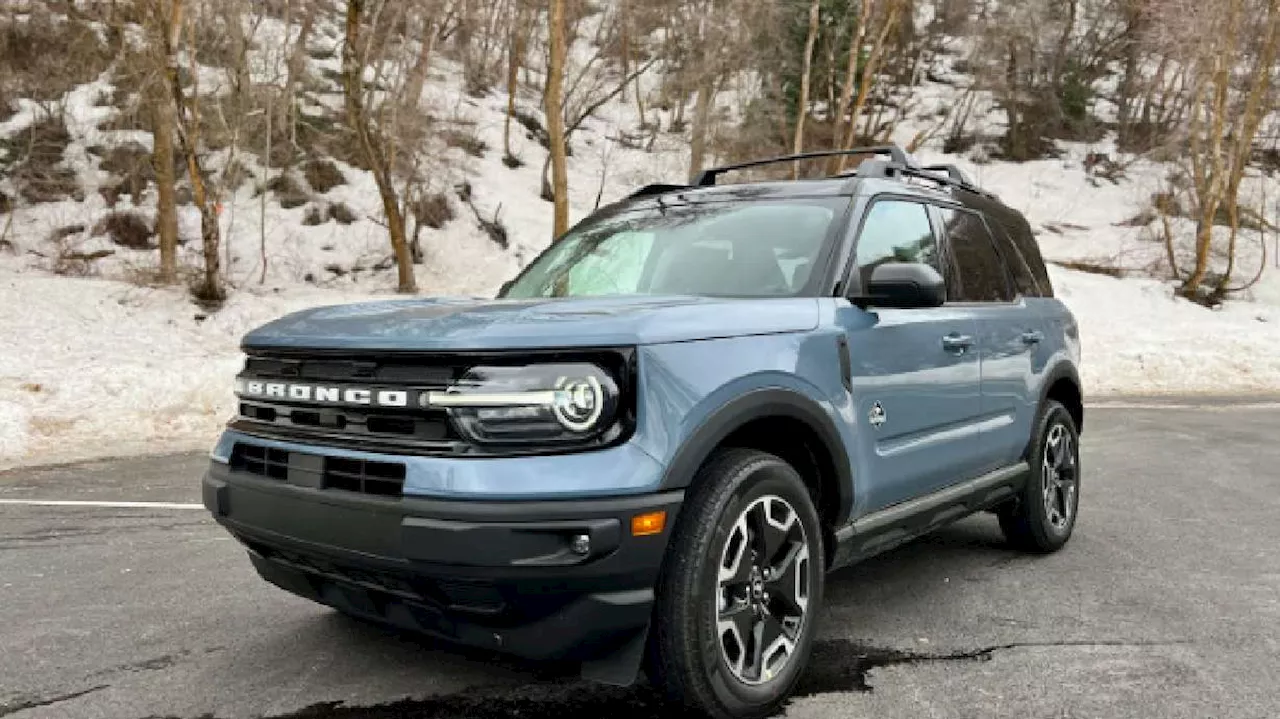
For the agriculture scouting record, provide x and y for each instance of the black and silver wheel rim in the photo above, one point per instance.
(763, 590)
(1059, 476)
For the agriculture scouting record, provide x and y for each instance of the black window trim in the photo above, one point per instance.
(850, 283)
(1017, 298)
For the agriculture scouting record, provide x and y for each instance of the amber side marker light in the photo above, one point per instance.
(643, 525)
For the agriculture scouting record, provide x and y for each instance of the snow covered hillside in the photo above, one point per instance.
(105, 364)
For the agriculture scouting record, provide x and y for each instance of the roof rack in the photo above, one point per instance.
(898, 164)
(954, 176)
(896, 154)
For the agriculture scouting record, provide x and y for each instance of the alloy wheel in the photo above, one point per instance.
(1058, 475)
(763, 590)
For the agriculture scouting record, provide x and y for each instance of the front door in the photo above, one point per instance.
(916, 372)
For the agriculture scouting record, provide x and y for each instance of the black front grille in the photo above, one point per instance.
(410, 428)
(383, 479)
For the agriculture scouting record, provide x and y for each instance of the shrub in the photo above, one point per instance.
(44, 57)
(314, 216)
(323, 175)
(433, 210)
(39, 174)
(342, 214)
(465, 141)
(127, 229)
(288, 190)
(130, 164)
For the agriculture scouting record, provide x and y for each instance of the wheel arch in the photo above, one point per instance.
(1062, 383)
(785, 423)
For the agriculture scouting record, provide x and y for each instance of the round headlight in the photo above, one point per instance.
(579, 402)
(561, 402)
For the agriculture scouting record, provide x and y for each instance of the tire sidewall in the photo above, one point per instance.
(772, 477)
(1054, 414)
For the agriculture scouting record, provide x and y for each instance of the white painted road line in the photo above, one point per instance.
(1206, 407)
(105, 505)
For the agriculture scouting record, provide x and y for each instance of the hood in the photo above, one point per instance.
(486, 324)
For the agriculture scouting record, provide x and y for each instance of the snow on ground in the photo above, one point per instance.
(98, 366)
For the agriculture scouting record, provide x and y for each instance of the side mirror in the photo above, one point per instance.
(904, 285)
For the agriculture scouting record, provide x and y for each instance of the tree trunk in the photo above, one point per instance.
(188, 130)
(297, 69)
(162, 161)
(850, 74)
(418, 74)
(353, 86)
(555, 119)
(803, 110)
(868, 75)
(515, 58)
(700, 130)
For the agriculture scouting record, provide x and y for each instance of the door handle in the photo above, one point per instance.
(957, 344)
(1032, 337)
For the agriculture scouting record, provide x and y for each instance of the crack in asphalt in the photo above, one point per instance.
(835, 666)
(26, 704)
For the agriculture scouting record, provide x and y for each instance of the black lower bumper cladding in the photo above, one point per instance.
(547, 580)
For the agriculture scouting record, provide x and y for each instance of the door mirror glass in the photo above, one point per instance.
(904, 285)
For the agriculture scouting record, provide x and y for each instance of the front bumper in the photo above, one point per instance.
(495, 575)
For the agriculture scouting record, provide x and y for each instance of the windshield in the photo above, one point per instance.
(757, 248)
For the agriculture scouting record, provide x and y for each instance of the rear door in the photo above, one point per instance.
(1009, 331)
(916, 375)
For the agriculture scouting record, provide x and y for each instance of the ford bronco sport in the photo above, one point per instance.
(650, 448)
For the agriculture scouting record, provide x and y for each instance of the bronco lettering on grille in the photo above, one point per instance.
(323, 394)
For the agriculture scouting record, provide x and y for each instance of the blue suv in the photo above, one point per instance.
(648, 451)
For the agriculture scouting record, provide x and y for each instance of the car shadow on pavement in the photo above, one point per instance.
(532, 691)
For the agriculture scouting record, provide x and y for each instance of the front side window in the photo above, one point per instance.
(895, 231)
(759, 248)
(980, 273)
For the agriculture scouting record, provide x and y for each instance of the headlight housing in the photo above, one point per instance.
(554, 403)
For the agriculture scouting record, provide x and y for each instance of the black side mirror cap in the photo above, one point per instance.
(904, 285)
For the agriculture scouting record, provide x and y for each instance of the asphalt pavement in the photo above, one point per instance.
(1166, 603)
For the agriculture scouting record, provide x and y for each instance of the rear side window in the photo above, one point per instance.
(895, 231)
(1017, 232)
(978, 273)
(1023, 280)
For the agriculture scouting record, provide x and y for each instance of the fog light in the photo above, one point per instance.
(580, 544)
(643, 525)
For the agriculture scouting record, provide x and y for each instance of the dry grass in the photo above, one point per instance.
(45, 57)
(38, 171)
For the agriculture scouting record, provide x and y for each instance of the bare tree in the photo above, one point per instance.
(354, 64)
(1230, 49)
(168, 23)
(553, 102)
(162, 160)
(802, 110)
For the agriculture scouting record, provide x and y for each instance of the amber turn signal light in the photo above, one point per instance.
(643, 525)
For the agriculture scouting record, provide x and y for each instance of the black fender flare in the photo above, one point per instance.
(760, 404)
(1064, 369)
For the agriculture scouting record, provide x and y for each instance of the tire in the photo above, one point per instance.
(1037, 522)
(691, 655)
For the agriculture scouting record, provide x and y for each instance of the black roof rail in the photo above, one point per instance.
(896, 155)
(954, 176)
(657, 189)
